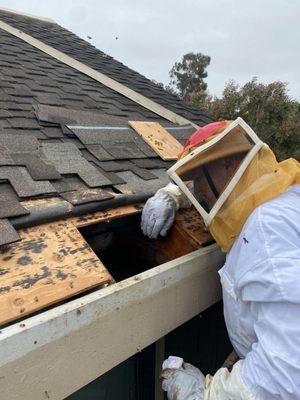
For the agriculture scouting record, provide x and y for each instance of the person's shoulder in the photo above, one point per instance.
(279, 214)
(289, 199)
(272, 230)
(268, 253)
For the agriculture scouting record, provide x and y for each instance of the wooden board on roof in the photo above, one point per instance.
(52, 262)
(161, 141)
(191, 223)
(187, 234)
(97, 217)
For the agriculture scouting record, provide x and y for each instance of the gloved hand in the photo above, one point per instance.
(158, 214)
(183, 383)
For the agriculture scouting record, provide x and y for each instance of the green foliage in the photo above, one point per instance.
(268, 109)
(187, 76)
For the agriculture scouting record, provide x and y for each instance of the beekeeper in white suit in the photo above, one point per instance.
(251, 205)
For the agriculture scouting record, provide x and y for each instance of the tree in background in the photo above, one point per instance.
(267, 108)
(187, 76)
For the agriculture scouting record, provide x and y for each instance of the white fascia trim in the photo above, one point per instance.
(99, 77)
(55, 353)
(16, 12)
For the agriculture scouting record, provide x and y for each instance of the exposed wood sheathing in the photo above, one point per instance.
(51, 262)
(187, 234)
(161, 141)
(105, 216)
(192, 225)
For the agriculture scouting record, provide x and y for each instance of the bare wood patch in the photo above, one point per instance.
(190, 221)
(51, 263)
(105, 216)
(187, 234)
(47, 202)
(161, 141)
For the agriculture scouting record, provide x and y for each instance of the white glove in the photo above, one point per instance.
(225, 385)
(159, 211)
(183, 383)
(158, 214)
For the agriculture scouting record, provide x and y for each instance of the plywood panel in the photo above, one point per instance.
(161, 141)
(105, 216)
(191, 223)
(51, 263)
(175, 244)
(187, 234)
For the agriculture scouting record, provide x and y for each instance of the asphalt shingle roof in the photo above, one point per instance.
(49, 112)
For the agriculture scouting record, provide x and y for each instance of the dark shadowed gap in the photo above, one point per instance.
(122, 247)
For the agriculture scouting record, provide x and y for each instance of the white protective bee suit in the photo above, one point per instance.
(261, 289)
(262, 304)
(261, 308)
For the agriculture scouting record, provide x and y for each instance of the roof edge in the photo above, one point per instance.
(44, 19)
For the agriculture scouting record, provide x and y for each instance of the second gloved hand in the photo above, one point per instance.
(182, 383)
(158, 214)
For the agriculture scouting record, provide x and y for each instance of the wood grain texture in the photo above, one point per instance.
(105, 216)
(161, 141)
(51, 263)
(175, 244)
(187, 234)
(191, 223)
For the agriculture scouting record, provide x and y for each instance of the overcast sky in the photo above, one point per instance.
(244, 38)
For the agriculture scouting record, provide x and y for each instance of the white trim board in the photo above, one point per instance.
(23, 14)
(98, 76)
(54, 354)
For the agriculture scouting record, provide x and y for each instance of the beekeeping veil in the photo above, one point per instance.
(256, 178)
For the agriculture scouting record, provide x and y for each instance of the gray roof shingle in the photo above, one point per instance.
(47, 109)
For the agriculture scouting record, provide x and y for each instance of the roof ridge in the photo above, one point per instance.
(23, 14)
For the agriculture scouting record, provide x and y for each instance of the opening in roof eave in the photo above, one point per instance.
(42, 214)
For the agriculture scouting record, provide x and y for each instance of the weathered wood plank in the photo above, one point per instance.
(176, 244)
(51, 263)
(161, 141)
(187, 234)
(191, 223)
(105, 216)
